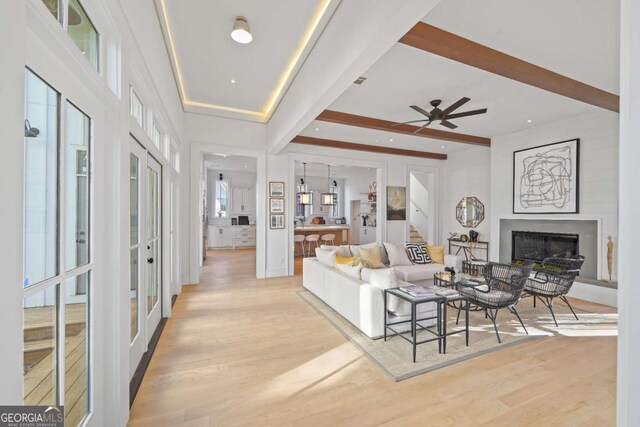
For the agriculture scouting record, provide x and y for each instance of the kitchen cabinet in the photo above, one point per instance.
(242, 200)
(232, 236)
(220, 237)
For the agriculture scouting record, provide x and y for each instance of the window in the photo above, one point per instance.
(134, 242)
(78, 25)
(335, 209)
(303, 210)
(54, 8)
(57, 266)
(222, 199)
(136, 107)
(156, 137)
(82, 31)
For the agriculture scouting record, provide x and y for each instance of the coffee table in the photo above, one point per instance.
(440, 334)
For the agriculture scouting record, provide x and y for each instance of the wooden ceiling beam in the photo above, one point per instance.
(387, 126)
(448, 45)
(318, 142)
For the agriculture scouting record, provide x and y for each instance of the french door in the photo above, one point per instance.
(145, 250)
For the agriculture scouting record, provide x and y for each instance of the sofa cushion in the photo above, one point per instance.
(436, 253)
(370, 258)
(352, 270)
(326, 257)
(355, 251)
(417, 272)
(345, 260)
(397, 255)
(417, 253)
(343, 250)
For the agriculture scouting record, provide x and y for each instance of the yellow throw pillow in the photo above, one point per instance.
(436, 253)
(370, 258)
(345, 260)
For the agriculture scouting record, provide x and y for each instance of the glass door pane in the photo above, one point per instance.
(76, 361)
(40, 327)
(153, 259)
(77, 239)
(134, 236)
(40, 181)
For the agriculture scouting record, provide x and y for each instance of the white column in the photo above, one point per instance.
(629, 284)
(12, 27)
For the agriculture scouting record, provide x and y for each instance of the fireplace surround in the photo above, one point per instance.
(587, 231)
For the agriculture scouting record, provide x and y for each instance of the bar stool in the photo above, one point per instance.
(312, 239)
(298, 238)
(328, 239)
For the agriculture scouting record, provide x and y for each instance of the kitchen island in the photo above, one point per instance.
(341, 232)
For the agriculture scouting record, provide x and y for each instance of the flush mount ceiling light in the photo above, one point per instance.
(241, 32)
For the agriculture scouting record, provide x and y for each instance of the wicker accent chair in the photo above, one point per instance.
(503, 287)
(554, 280)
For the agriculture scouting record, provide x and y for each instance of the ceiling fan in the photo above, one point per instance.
(442, 115)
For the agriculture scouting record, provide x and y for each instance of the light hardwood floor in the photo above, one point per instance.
(241, 351)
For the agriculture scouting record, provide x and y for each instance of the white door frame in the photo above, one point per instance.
(435, 198)
(198, 150)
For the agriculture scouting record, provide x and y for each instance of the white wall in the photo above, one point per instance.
(468, 175)
(598, 133)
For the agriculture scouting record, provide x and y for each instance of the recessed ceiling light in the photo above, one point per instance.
(529, 121)
(233, 81)
(442, 147)
(245, 166)
(390, 139)
(317, 129)
(241, 32)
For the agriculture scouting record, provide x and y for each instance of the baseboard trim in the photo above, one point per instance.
(136, 381)
(277, 272)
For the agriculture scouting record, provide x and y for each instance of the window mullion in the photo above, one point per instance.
(64, 13)
(62, 197)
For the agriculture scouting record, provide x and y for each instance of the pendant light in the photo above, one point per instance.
(304, 197)
(326, 199)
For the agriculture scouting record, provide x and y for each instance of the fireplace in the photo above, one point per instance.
(536, 246)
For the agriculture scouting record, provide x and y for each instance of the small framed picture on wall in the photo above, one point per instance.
(276, 206)
(276, 221)
(276, 189)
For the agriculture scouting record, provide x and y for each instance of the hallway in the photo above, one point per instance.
(241, 351)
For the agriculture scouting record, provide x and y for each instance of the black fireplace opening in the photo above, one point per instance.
(536, 246)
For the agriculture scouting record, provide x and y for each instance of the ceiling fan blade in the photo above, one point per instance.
(467, 113)
(422, 127)
(421, 110)
(451, 108)
(448, 124)
(412, 121)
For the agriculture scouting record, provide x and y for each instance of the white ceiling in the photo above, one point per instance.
(230, 163)
(579, 39)
(576, 38)
(208, 59)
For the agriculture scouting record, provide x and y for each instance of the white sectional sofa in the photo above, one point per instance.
(362, 303)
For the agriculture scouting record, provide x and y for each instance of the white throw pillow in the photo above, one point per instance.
(397, 256)
(327, 258)
(343, 250)
(351, 270)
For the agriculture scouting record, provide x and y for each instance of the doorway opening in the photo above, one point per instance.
(422, 207)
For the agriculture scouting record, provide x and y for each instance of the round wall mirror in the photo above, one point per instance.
(470, 212)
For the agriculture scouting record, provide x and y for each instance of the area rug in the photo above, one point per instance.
(395, 355)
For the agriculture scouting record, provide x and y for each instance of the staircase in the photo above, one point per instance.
(415, 236)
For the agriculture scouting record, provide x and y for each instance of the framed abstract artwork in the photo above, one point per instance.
(276, 189)
(396, 203)
(546, 179)
(276, 206)
(276, 221)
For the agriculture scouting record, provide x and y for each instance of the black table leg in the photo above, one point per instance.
(385, 314)
(439, 320)
(444, 326)
(466, 321)
(413, 329)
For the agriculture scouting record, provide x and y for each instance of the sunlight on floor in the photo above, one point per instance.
(323, 371)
